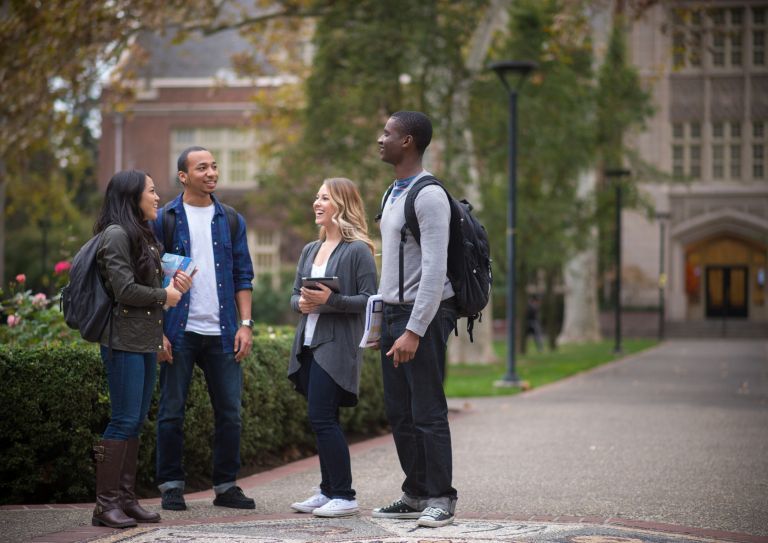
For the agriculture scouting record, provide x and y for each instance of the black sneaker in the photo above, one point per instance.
(173, 500)
(235, 499)
(397, 509)
(434, 517)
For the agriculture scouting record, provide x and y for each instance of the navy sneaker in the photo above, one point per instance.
(396, 509)
(434, 517)
(235, 499)
(173, 500)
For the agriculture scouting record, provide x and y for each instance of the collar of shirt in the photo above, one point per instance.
(400, 186)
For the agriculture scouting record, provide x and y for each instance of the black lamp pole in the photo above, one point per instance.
(503, 70)
(617, 174)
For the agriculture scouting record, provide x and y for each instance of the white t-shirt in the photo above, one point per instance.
(203, 300)
(309, 329)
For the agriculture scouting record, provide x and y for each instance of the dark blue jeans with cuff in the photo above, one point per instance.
(224, 378)
(417, 409)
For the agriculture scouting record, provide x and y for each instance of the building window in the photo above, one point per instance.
(735, 161)
(726, 150)
(678, 160)
(686, 149)
(727, 40)
(758, 149)
(235, 150)
(718, 161)
(758, 161)
(758, 36)
(687, 38)
(695, 161)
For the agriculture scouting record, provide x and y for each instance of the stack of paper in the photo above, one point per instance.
(374, 312)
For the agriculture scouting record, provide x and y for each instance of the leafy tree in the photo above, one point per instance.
(622, 106)
(556, 140)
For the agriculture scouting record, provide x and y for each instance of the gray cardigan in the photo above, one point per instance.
(340, 327)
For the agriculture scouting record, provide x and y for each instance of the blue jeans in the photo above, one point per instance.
(131, 379)
(323, 401)
(416, 407)
(224, 377)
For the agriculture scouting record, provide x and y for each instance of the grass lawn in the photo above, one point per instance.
(473, 380)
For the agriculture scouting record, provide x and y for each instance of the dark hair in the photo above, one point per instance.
(121, 207)
(416, 125)
(181, 163)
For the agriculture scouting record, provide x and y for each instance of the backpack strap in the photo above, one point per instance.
(411, 223)
(231, 214)
(377, 218)
(169, 223)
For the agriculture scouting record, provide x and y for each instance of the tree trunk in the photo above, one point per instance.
(581, 321)
(460, 349)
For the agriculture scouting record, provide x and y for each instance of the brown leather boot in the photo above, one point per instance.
(109, 455)
(128, 500)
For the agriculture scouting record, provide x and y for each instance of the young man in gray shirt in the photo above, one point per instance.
(416, 327)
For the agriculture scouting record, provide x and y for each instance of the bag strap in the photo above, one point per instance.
(384, 199)
(412, 224)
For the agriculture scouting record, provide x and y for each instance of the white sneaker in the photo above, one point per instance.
(337, 508)
(311, 503)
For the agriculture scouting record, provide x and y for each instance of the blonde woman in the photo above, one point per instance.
(325, 359)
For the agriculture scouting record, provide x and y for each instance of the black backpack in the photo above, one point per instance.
(469, 253)
(85, 301)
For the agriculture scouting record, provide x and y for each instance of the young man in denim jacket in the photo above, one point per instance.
(211, 327)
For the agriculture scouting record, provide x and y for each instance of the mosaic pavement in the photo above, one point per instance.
(367, 530)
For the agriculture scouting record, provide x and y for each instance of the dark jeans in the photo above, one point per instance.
(224, 377)
(131, 379)
(416, 406)
(323, 401)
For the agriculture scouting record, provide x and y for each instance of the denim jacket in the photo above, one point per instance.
(234, 270)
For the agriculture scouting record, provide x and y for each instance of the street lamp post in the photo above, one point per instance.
(661, 217)
(505, 69)
(617, 174)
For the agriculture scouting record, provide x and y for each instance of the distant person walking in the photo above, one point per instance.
(532, 322)
(416, 327)
(211, 328)
(326, 359)
(129, 261)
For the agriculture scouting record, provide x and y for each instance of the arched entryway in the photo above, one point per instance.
(725, 277)
(719, 262)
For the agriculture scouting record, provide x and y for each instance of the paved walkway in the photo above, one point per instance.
(669, 445)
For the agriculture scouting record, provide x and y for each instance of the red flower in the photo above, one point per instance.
(61, 267)
(21, 279)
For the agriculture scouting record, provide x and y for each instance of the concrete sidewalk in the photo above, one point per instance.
(668, 445)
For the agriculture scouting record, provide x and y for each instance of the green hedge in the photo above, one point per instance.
(55, 405)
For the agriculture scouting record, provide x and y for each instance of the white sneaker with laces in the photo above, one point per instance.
(337, 508)
(311, 503)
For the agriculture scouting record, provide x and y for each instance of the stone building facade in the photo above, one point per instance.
(707, 246)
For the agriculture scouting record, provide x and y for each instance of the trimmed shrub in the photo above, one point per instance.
(55, 405)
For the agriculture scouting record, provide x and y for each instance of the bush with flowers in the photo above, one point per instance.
(31, 319)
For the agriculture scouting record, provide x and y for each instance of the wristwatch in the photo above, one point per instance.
(246, 322)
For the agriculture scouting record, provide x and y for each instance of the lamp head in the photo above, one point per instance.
(504, 68)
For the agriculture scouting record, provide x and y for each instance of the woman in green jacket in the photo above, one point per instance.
(129, 262)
